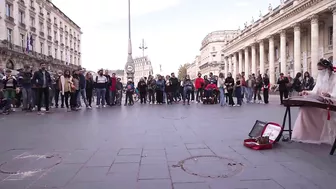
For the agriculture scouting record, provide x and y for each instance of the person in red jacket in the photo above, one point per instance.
(209, 89)
(113, 89)
(199, 84)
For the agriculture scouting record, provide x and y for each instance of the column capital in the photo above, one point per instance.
(261, 41)
(270, 37)
(246, 48)
(296, 26)
(314, 19)
(332, 8)
(282, 33)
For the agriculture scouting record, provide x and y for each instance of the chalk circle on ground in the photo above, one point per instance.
(210, 166)
(28, 163)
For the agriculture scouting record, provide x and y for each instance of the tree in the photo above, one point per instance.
(182, 71)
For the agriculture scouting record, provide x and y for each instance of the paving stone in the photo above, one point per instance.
(154, 172)
(191, 186)
(179, 176)
(59, 176)
(200, 152)
(102, 158)
(248, 184)
(196, 146)
(79, 156)
(127, 159)
(124, 168)
(91, 174)
(154, 153)
(153, 160)
(15, 184)
(130, 152)
(154, 184)
(88, 185)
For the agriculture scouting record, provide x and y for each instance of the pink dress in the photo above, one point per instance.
(312, 125)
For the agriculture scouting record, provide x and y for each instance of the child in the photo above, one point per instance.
(129, 93)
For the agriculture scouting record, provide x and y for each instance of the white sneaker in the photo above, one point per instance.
(104, 106)
(98, 106)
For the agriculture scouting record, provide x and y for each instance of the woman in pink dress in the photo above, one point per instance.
(312, 124)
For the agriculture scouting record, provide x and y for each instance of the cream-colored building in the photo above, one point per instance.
(143, 68)
(288, 39)
(211, 56)
(56, 39)
(193, 68)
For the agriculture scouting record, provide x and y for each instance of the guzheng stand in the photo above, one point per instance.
(301, 102)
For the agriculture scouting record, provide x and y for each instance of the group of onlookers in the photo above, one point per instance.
(65, 88)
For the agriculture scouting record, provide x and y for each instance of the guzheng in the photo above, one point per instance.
(311, 101)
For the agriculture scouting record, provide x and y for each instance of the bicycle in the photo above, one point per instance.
(136, 95)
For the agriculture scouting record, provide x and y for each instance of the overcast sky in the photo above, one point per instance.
(172, 29)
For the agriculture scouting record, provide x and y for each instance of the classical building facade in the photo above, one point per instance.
(142, 68)
(193, 68)
(35, 31)
(211, 55)
(288, 39)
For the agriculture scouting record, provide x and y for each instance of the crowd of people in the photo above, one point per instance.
(33, 91)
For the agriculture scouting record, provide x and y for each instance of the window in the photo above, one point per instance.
(55, 20)
(22, 38)
(55, 53)
(41, 47)
(49, 50)
(66, 41)
(70, 59)
(41, 10)
(21, 16)
(49, 31)
(61, 55)
(31, 3)
(75, 60)
(66, 57)
(75, 45)
(32, 21)
(8, 10)
(48, 14)
(60, 23)
(61, 38)
(55, 35)
(66, 28)
(9, 35)
(70, 43)
(41, 26)
(330, 36)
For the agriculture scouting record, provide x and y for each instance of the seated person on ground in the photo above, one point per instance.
(209, 90)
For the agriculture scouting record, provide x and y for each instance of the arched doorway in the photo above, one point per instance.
(10, 65)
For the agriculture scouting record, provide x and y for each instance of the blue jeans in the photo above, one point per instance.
(27, 98)
(82, 93)
(101, 96)
(186, 93)
(222, 96)
(249, 94)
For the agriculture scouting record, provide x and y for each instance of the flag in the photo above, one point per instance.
(27, 48)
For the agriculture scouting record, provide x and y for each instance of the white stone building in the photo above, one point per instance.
(211, 56)
(288, 39)
(56, 39)
(143, 68)
(193, 68)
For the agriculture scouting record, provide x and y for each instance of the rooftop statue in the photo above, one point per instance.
(270, 7)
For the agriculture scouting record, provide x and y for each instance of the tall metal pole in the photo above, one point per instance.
(130, 62)
(143, 47)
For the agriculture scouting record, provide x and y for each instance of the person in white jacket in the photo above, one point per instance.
(221, 87)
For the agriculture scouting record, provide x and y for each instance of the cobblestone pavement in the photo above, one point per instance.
(143, 147)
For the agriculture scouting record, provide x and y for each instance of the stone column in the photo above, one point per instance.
(253, 52)
(240, 66)
(262, 57)
(271, 60)
(283, 54)
(230, 64)
(247, 66)
(235, 62)
(333, 9)
(297, 48)
(226, 59)
(314, 45)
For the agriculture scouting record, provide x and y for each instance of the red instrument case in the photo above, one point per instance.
(271, 130)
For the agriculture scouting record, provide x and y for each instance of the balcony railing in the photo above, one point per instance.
(10, 19)
(41, 14)
(32, 28)
(42, 33)
(32, 8)
(49, 38)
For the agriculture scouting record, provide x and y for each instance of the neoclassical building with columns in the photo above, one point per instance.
(288, 39)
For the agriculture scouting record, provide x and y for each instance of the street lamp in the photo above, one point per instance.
(129, 67)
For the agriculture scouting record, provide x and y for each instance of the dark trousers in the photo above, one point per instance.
(170, 97)
(89, 96)
(40, 93)
(265, 93)
(239, 95)
(283, 94)
(192, 95)
(129, 98)
(57, 94)
(257, 93)
(229, 94)
(143, 97)
(112, 97)
(151, 96)
(107, 96)
(159, 96)
(73, 99)
(67, 96)
(199, 94)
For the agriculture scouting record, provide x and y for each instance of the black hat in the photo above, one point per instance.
(325, 63)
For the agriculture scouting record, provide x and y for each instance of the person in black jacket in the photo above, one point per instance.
(308, 82)
(142, 87)
(266, 85)
(108, 85)
(42, 80)
(25, 77)
(297, 84)
(282, 82)
(174, 86)
(89, 86)
(229, 83)
(119, 88)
